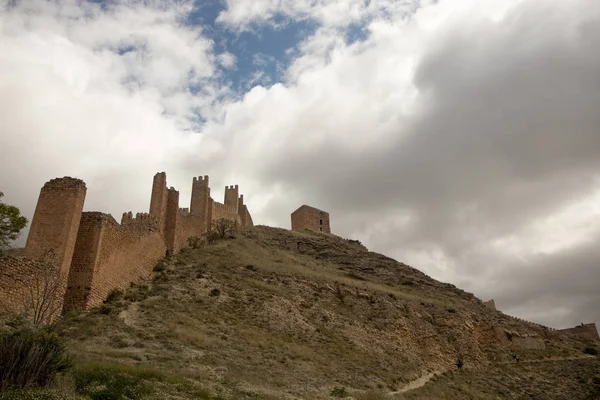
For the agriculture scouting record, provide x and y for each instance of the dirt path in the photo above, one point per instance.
(421, 381)
(417, 383)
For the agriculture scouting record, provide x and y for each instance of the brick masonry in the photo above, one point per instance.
(307, 217)
(98, 254)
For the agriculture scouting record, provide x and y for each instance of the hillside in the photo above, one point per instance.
(279, 314)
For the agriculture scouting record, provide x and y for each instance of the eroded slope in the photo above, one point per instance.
(292, 315)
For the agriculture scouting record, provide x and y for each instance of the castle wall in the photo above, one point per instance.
(95, 253)
(310, 218)
(245, 218)
(224, 211)
(111, 256)
(587, 331)
(20, 281)
(55, 222)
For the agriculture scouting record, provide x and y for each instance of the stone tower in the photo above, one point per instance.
(158, 201)
(231, 196)
(200, 203)
(307, 217)
(55, 222)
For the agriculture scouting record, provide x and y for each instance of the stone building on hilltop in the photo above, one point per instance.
(307, 217)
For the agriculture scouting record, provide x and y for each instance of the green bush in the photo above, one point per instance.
(591, 351)
(137, 293)
(101, 382)
(215, 292)
(31, 357)
(339, 392)
(212, 236)
(195, 242)
(372, 395)
(159, 267)
(114, 295)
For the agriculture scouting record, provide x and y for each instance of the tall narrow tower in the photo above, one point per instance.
(231, 196)
(200, 202)
(55, 222)
(158, 201)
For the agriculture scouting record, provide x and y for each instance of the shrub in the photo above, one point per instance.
(114, 295)
(371, 395)
(137, 293)
(31, 357)
(195, 242)
(215, 292)
(339, 392)
(591, 351)
(211, 236)
(159, 267)
(101, 382)
(224, 227)
(105, 309)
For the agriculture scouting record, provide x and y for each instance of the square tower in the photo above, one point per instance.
(55, 222)
(307, 217)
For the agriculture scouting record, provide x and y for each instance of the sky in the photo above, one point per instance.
(461, 137)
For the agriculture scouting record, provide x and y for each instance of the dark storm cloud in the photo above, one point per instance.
(507, 132)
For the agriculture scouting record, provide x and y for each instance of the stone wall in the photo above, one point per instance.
(111, 256)
(490, 304)
(310, 218)
(587, 331)
(95, 253)
(224, 211)
(23, 280)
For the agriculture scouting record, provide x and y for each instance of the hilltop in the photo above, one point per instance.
(279, 314)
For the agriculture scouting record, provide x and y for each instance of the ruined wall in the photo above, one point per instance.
(587, 331)
(490, 304)
(55, 222)
(310, 218)
(109, 256)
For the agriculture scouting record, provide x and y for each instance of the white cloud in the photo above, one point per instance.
(462, 139)
(244, 14)
(102, 94)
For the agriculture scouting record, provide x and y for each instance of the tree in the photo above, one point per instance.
(11, 224)
(42, 300)
(225, 227)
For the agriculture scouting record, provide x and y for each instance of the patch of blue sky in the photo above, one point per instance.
(356, 33)
(262, 53)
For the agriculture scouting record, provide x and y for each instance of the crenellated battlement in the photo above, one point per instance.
(200, 181)
(99, 254)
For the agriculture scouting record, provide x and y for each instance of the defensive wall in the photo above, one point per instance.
(97, 254)
(585, 331)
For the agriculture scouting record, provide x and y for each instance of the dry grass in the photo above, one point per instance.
(283, 314)
(559, 379)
